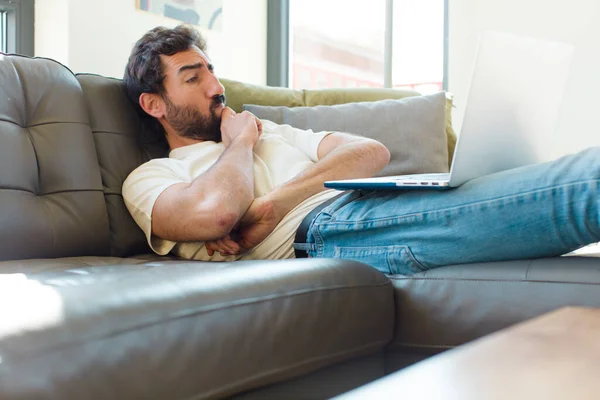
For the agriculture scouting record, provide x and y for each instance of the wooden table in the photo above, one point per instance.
(555, 356)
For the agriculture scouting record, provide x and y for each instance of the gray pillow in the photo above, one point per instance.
(413, 128)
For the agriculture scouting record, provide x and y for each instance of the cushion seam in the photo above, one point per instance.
(431, 346)
(492, 280)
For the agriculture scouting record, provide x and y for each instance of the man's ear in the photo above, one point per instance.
(152, 104)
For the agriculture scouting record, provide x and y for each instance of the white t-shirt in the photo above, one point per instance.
(280, 154)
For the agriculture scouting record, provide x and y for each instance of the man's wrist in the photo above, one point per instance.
(283, 200)
(244, 140)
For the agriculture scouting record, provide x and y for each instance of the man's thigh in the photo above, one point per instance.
(534, 211)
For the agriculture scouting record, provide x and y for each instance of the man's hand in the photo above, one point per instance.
(242, 126)
(259, 221)
(226, 246)
(255, 226)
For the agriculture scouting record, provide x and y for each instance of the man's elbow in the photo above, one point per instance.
(379, 154)
(217, 217)
(224, 221)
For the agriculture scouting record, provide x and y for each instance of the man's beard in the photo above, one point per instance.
(188, 122)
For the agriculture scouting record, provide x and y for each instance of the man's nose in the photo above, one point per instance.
(215, 87)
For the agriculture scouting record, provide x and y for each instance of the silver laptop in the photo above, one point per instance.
(511, 113)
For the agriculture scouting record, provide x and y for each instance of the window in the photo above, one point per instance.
(380, 43)
(16, 26)
(337, 43)
(3, 32)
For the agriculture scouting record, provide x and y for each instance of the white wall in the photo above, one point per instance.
(51, 36)
(97, 36)
(574, 21)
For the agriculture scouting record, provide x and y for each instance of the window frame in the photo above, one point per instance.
(3, 31)
(278, 43)
(20, 16)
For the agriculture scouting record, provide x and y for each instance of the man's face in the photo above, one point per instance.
(194, 97)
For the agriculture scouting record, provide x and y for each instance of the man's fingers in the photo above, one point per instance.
(225, 247)
(209, 249)
(231, 244)
(213, 247)
(259, 125)
(227, 112)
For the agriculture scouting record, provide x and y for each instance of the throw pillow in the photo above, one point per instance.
(413, 128)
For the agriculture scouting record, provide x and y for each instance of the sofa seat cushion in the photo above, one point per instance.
(71, 264)
(446, 307)
(186, 329)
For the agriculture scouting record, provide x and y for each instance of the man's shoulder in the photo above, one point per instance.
(271, 127)
(155, 164)
(155, 167)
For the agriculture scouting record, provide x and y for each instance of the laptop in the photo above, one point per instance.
(510, 118)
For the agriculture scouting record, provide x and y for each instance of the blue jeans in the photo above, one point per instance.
(534, 211)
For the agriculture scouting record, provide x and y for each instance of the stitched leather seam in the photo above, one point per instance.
(428, 346)
(111, 133)
(217, 392)
(51, 193)
(43, 123)
(59, 122)
(492, 280)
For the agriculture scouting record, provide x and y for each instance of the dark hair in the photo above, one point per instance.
(144, 72)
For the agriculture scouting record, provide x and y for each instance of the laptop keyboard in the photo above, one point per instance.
(425, 177)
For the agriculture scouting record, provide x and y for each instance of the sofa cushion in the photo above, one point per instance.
(72, 265)
(118, 137)
(239, 93)
(446, 307)
(413, 129)
(51, 200)
(188, 330)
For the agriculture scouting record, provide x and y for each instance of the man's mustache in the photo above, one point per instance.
(218, 100)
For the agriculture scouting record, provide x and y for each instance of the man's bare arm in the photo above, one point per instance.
(209, 207)
(341, 156)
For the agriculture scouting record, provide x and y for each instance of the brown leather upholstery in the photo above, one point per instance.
(51, 201)
(116, 131)
(190, 330)
(446, 307)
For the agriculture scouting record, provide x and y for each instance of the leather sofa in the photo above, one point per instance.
(87, 312)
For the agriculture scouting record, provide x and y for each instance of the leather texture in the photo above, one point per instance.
(70, 264)
(446, 307)
(324, 383)
(116, 131)
(189, 330)
(51, 201)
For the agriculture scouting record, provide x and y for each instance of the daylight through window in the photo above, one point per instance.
(3, 32)
(337, 43)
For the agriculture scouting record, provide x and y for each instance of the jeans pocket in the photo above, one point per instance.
(391, 260)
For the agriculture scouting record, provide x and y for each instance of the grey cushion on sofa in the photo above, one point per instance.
(413, 129)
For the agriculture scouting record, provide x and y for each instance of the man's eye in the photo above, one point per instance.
(192, 79)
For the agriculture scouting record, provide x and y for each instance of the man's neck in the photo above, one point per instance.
(175, 141)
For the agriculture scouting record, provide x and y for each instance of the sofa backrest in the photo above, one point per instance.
(117, 132)
(51, 194)
(67, 143)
